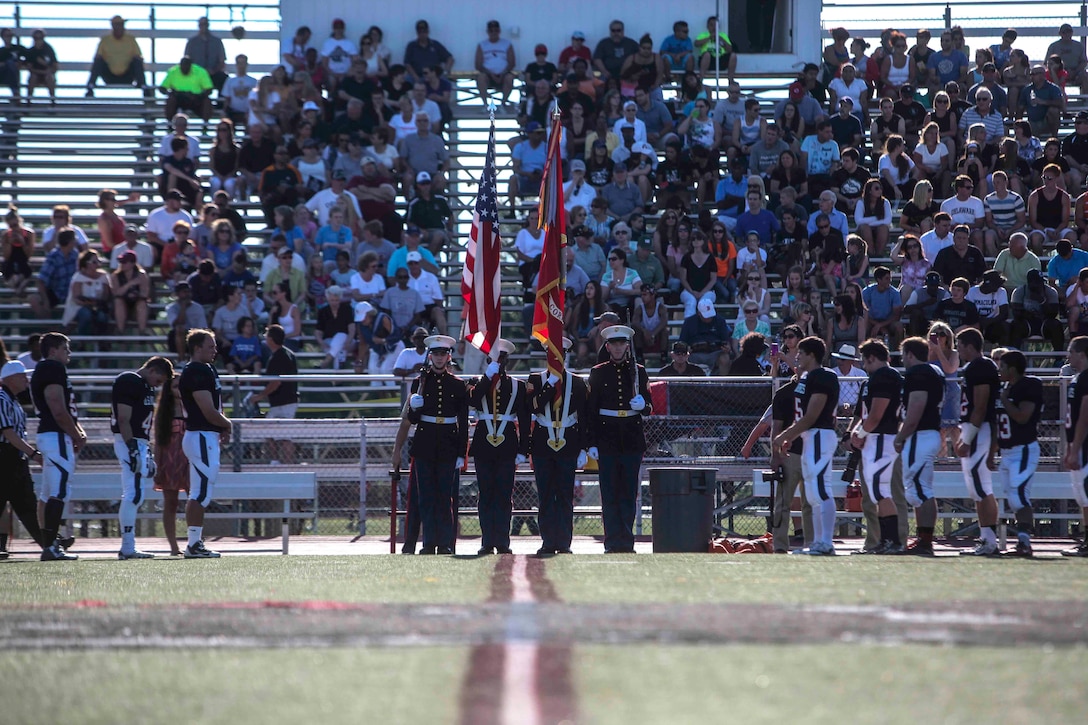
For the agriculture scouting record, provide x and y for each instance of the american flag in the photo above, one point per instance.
(480, 281)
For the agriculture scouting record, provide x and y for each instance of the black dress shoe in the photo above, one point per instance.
(485, 550)
(427, 551)
(502, 550)
(445, 550)
(544, 551)
(409, 552)
(563, 551)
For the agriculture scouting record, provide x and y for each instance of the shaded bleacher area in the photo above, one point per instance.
(67, 152)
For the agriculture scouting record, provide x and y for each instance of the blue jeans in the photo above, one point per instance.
(91, 321)
(727, 290)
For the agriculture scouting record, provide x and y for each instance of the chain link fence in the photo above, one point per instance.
(696, 421)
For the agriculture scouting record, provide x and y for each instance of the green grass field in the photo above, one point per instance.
(415, 621)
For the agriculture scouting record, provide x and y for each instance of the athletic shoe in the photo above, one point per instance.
(4, 554)
(67, 542)
(1021, 550)
(984, 548)
(890, 549)
(919, 548)
(1077, 551)
(818, 548)
(56, 552)
(199, 551)
(134, 555)
(878, 549)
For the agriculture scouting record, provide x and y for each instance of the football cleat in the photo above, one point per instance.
(199, 551)
(984, 548)
(919, 548)
(56, 552)
(1077, 551)
(124, 555)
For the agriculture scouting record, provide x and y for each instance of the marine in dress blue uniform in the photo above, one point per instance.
(499, 445)
(438, 407)
(619, 396)
(558, 443)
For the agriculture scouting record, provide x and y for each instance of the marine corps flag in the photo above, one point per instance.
(552, 281)
(480, 279)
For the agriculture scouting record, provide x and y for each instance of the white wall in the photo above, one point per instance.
(461, 25)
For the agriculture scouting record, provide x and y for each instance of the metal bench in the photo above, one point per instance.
(288, 487)
(949, 487)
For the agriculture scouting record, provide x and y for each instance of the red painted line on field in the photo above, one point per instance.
(535, 680)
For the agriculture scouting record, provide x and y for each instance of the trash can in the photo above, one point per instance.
(683, 508)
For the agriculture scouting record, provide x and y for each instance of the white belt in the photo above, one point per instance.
(506, 418)
(438, 420)
(608, 413)
(565, 423)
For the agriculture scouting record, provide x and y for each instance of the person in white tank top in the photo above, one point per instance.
(495, 64)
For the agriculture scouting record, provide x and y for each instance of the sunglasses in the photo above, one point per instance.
(1048, 178)
(613, 259)
(719, 231)
(750, 312)
(823, 226)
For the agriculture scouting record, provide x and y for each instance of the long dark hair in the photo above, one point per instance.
(165, 411)
(587, 310)
(849, 312)
(873, 208)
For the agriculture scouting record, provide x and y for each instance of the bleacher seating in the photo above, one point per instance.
(70, 151)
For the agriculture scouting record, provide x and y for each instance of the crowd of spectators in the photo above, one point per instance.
(953, 176)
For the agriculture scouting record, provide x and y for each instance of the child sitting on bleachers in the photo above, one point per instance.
(245, 352)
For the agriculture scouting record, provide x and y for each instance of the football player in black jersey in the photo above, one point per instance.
(816, 398)
(1076, 433)
(919, 437)
(133, 403)
(881, 397)
(60, 436)
(201, 395)
(978, 398)
(1018, 411)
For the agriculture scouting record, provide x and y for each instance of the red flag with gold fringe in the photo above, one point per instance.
(552, 280)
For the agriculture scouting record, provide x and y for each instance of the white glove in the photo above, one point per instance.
(149, 466)
(248, 399)
(593, 453)
(638, 403)
(415, 402)
(492, 370)
(520, 459)
(460, 463)
(553, 379)
(583, 458)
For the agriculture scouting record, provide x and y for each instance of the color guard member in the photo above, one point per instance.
(558, 407)
(499, 445)
(618, 399)
(438, 407)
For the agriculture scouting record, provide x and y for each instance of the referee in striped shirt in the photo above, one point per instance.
(17, 486)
